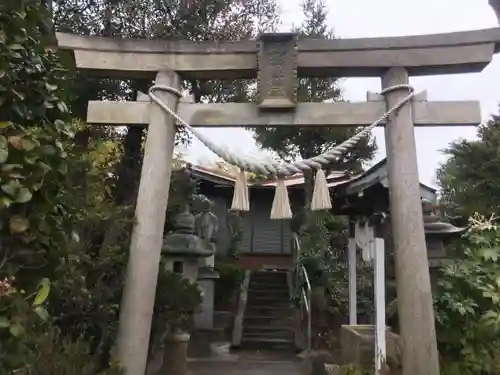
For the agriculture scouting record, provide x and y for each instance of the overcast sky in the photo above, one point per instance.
(372, 18)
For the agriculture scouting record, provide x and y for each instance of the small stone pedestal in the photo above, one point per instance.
(204, 319)
(175, 355)
(204, 334)
(358, 345)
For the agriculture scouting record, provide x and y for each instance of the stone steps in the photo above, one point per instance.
(271, 313)
(282, 295)
(266, 343)
(270, 301)
(275, 332)
(267, 323)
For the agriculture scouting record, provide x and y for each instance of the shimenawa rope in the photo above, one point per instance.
(281, 205)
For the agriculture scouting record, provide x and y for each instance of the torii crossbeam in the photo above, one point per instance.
(459, 113)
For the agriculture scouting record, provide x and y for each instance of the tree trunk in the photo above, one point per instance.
(125, 190)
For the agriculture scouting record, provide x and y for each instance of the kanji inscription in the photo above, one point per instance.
(278, 71)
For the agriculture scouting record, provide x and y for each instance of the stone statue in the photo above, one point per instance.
(207, 226)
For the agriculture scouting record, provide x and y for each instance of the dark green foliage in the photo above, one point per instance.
(176, 300)
(33, 128)
(54, 354)
(36, 216)
(324, 256)
(469, 179)
(467, 303)
(54, 198)
(228, 284)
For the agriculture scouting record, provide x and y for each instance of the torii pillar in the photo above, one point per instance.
(415, 303)
(136, 309)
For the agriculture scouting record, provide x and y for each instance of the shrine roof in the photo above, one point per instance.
(340, 181)
(211, 175)
(224, 179)
(376, 175)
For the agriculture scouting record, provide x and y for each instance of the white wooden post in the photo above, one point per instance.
(147, 235)
(379, 286)
(353, 302)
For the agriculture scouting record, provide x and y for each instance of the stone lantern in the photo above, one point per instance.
(437, 235)
(183, 249)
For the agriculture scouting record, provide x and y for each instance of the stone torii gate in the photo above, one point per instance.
(276, 60)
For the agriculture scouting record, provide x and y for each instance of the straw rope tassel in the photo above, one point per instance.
(281, 202)
(321, 195)
(241, 201)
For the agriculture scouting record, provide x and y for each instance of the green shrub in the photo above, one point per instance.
(228, 284)
(324, 256)
(230, 273)
(468, 303)
(55, 354)
(176, 300)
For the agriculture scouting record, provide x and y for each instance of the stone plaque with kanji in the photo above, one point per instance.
(278, 71)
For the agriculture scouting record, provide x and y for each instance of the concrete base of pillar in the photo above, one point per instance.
(358, 342)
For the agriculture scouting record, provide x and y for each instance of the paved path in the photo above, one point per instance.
(204, 367)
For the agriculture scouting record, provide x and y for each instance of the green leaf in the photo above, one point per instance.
(28, 145)
(4, 322)
(490, 254)
(62, 107)
(42, 313)
(60, 125)
(4, 155)
(4, 124)
(11, 188)
(21, 14)
(23, 196)
(20, 95)
(36, 186)
(43, 293)
(15, 47)
(50, 87)
(11, 167)
(18, 224)
(5, 202)
(45, 168)
(16, 330)
(16, 142)
(31, 160)
(48, 150)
